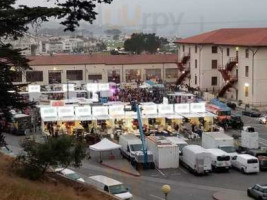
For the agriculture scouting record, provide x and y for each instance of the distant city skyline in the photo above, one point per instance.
(177, 17)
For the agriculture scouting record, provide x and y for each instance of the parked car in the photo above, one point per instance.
(262, 157)
(263, 119)
(252, 113)
(258, 191)
(246, 163)
(111, 186)
(69, 174)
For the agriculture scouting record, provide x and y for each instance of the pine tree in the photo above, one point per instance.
(15, 22)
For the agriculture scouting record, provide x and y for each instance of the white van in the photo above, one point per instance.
(111, 186)
(219, 159)
(246, 163)
(196, 159)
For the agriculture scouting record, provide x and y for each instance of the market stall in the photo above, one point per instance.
(104, 145)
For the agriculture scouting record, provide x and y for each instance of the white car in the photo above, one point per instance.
(111, 186)
(263, 120)
(69, 174)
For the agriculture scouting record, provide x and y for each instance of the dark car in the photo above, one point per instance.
(258, 191)
(251, 113)
(262, 156)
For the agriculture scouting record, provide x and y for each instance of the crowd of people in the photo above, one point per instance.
(139, 94)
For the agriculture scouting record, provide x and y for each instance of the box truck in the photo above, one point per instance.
(196, 159)
(165, 154)
(211, 140)
(132, 149)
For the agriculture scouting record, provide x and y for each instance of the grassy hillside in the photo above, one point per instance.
(13, 187)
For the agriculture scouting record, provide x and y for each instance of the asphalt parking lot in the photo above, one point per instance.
(185, 186)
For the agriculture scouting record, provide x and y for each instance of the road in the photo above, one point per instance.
(185, 186)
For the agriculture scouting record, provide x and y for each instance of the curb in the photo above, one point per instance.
(120, 170)
(214, 197)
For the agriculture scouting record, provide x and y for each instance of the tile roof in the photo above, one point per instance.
(231, 36)
(102, 59)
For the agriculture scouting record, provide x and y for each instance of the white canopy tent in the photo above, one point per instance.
(104, 145)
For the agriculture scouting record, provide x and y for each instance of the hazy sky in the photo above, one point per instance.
(179, 17)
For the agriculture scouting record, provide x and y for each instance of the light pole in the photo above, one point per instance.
(68, 89)
(166, 189)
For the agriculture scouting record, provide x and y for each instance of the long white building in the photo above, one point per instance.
(59, 69)
(230, 63)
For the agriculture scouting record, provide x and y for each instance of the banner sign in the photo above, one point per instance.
(92, 87)
(149, 109)
(57, 103)
(34, 88)
(116, 110)
(182, 108)
(198, 107)
(103, 86)
(99, 110)
(165, 108)
(68, 87)
(82, 111)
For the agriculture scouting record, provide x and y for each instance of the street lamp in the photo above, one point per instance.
(68, 89)
(166, 189)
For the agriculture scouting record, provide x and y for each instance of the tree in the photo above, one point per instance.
(63, 151)
(15, 21)
(113, 32)
(140, 42)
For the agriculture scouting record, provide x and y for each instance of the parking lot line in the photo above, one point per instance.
(156, 197)
(183, 170)
(160, 172)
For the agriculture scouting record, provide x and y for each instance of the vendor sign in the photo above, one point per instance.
(116, 110)
(103, 87)
(165, 108)
(149, 109)
(198, 107)
(182, 108)
(99, 110)
(92, 87)
(68, 87)
(48, 113)
(34, 88)
(66, 113)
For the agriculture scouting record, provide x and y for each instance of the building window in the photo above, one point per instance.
(34, 76)
(95, 77)
(195, 48)
(16, 77)
(171, 73)
(214, 81)
(228, 51)
(153, 74)
(54, 77)
(75, 75)
(114, 76)
(132, 75)
(214, 49)
(195, 80)
(196, 63)
(246, 91)
(214, 64)
(247, 53)
(183, 48)
(246, 71)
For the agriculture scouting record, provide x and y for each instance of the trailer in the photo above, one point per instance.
(166, 154)
(249, 138)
